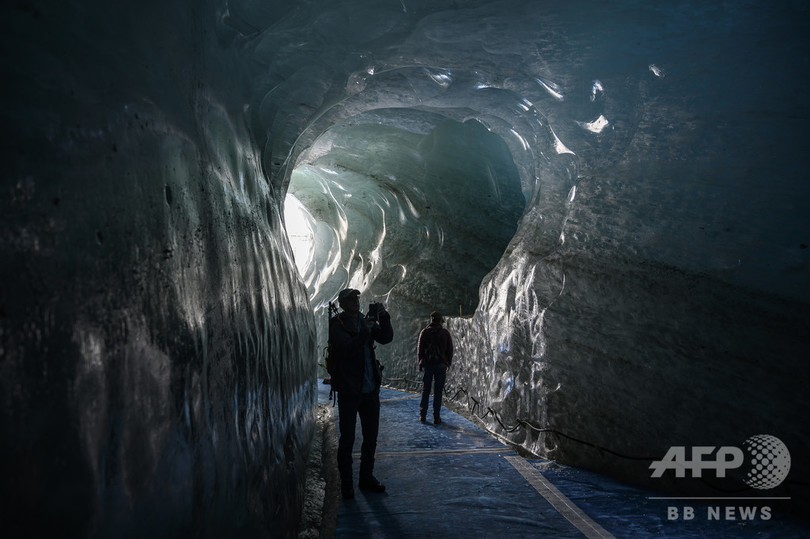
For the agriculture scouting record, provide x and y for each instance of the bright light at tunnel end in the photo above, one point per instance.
(300, 232)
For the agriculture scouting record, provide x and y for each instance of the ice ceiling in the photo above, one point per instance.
(393, 202)
(609, 198)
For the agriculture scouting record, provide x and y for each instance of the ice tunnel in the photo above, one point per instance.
(607, 200)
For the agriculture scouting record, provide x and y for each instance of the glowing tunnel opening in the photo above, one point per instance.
(300, 232)
(410, 207)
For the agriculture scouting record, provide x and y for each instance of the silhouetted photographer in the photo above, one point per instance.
(356, 377)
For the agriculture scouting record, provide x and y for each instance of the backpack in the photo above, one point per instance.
(331, 366)
(330, 362)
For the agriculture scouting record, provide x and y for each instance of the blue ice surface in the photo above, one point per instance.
(453, 480)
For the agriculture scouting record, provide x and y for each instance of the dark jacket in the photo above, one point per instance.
(434, 330)
(348, 337)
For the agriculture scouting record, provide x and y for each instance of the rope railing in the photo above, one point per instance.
(482, 411)
(478, 406)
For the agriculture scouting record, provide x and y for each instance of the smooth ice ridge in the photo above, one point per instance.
(383, 204)
(607, 198)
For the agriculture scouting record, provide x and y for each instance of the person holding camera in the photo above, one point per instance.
(357, 380)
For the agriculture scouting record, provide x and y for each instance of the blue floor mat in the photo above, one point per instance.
(457, 480)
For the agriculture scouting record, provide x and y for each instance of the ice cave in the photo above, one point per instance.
(606, 199)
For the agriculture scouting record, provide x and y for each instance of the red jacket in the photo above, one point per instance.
(434, 329)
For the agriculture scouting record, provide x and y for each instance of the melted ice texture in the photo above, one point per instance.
(655, 152)
(607, 199)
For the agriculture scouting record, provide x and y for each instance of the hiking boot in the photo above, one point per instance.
(347, 492)
(422, 418)
(370, 483)
(437, 420)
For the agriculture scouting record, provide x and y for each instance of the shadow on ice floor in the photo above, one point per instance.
(457, 480)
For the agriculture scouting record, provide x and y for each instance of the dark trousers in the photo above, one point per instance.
(367, 406)
(437, 374)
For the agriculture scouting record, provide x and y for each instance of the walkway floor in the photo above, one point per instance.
(457, 480)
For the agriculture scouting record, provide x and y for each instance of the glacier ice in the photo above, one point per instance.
(648, 279)
(608, 199)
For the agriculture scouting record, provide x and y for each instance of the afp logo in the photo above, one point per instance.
(765, 462)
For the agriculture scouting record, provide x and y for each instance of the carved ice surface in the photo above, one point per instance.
(386, 195)
(657, 269)
(608, 200)
(155, 342)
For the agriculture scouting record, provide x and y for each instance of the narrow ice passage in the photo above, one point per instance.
(608, 201)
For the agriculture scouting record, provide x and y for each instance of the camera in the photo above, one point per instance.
(374, 310)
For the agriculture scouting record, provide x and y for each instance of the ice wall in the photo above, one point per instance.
(155, 344)
(641, 282)
(654, 293)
